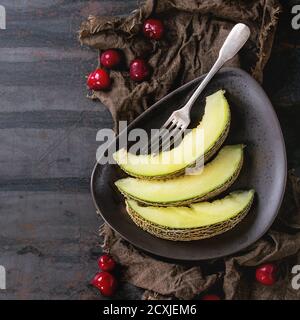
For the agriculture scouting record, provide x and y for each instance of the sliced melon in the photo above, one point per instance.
(200, 143)
(198, 221)
(213, 179)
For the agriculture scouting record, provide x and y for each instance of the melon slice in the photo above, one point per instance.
(200, 143)
(214, 178)
(198, 221)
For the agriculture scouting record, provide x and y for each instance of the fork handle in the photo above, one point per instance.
(237, 37)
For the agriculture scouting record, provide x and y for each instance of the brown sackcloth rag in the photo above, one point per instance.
(195, 31)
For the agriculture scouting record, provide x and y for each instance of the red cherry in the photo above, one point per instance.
(110, 58)
(153, 29)
(105, 282)
(210, 297)
(139, 70)
(98, 80)
(267, 274)
(106, 263)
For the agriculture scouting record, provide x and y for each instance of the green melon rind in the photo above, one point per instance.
(207, 156)
(188, 234)
(200, 198)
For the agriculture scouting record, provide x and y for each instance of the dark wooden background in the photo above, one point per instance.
(48, 226)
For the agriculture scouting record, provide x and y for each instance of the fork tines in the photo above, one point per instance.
(164, 138)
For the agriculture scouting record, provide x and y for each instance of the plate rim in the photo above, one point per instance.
(283, 180)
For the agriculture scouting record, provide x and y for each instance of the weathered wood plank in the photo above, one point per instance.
(51, 249)
(53, 23)
(47, 184)
(40, 98)
(42, 54)
(48, 73)
(49, 230)
(54, 119)
(44, 153)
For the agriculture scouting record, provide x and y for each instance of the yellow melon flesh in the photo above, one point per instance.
(214, 178)
(202, 141)
(196, 215)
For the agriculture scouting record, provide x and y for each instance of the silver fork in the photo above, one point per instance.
(179, 120)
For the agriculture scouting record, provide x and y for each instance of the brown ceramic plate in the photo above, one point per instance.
(254, 123)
